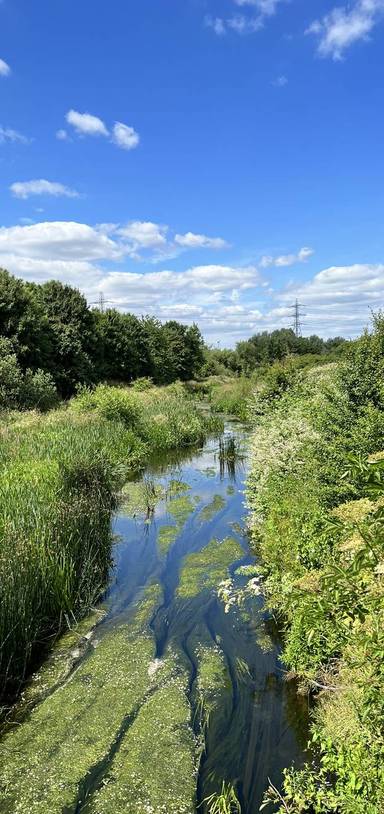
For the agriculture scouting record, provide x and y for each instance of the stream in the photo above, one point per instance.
(174, 685)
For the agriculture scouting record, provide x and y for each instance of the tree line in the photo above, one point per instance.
(51, 341)
(267, 347)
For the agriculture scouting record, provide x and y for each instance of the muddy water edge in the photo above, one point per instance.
(174, 684)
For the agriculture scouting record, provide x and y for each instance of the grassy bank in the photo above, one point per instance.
(316, 499)
(58, 477)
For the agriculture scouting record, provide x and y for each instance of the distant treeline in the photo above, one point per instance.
(264, 348)
(51, 340)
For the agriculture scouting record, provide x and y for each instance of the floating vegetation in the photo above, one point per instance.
(155, 769)
(44, 762)
(212, 508)
(141, 498)
(224, 801)
(180, 508)
(175, 487)
(207, 568)
(166, 537)
(212, 680)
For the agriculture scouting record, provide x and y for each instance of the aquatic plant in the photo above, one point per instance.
(230, 454)
(224, 801)
(208, 567)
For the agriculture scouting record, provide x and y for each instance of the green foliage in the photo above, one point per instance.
(18, 390)
(318, 522)
(224, 801)
(51, 329)
(232, 397)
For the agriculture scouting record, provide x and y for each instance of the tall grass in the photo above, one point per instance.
(232, 397)
(58, 477)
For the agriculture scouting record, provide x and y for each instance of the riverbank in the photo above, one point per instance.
(59, 474)
(317, 523)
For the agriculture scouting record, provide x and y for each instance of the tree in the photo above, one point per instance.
(122, 347)
(74, 338)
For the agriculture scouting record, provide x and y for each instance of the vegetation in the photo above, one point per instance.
(58, 477)
(263, 349)
(49, 332)
(317, 498)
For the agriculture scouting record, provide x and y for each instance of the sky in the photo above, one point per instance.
(209, 161)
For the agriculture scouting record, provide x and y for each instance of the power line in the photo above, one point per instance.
(297, 314)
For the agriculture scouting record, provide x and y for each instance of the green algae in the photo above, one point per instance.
(207, 568)
(65, 653)
(166, 537)
(212, 678)
(212, 508)
(180, 508)
(175, 487)
(45, 760)
(155, 768)
(140, 497)
(231, 489)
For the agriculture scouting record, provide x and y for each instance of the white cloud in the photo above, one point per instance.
(10, 135)
(346, 25)
(85, 124)
(58, 240)
(193, 241)
(24, 189)
(217, 24)
(284, 260)
(247, 23)
(62, 135)
(266, 7)
(4, 68)
(125, 137)
(144, 234)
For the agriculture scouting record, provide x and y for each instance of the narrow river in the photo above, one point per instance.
(178, 687)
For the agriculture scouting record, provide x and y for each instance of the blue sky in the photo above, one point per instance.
(206, 160)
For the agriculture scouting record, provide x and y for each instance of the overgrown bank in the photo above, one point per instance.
(316, 495)
(59, 474)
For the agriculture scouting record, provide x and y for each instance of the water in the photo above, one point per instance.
(180, 687)
(260, 726)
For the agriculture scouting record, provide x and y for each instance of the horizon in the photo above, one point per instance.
(210, 164)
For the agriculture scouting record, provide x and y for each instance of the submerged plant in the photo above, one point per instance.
(224, 801)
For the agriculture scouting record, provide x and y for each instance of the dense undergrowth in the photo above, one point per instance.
(317, 500)
(59, 474)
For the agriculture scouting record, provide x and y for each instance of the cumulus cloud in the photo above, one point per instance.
(85, 124)
(343, 26)
(193, 241)
(58, 240)
(145, 234)
(125, 137)
(7, 134)
(4, 68)
(229, 302)
(40, 186)
(287, 259)
(247, 23)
